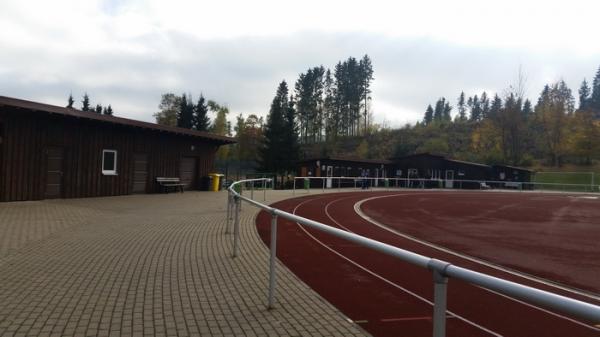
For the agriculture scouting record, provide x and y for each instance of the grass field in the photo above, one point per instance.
(566, 177)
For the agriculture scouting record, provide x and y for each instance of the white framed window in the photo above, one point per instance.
(109, 162)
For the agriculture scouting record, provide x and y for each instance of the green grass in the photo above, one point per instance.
(566, 178)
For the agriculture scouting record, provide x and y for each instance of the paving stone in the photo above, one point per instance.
(147, 265)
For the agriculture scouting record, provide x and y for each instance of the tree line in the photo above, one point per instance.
(508, 128)
(87, 106)
(329, 104)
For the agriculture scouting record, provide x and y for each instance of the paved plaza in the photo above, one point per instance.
(147, 265)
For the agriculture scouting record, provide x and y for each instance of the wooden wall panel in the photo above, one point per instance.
(27, 136)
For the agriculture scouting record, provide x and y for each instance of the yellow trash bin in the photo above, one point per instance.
(216, 181)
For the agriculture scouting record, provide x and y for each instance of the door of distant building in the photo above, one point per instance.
(329, 174)
(54, 172)
(188, 172)
(140, 172)
(449, 179)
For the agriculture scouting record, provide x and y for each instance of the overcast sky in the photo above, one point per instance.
(128, 52)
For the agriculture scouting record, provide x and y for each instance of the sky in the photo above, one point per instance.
(128, 52)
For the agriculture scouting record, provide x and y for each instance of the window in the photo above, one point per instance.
(109, 162)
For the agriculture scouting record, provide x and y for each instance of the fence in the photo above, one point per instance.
(441, 270)
(367, 182)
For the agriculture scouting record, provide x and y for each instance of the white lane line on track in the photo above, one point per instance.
(359, 212)
(383, 278)
(472, 259)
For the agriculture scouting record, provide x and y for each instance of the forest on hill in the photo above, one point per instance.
(328, 113)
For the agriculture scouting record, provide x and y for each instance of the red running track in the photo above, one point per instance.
(542, 240)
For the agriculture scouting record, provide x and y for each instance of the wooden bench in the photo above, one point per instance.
(167, 183)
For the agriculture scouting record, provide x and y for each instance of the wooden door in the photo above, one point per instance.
(188, 172)
(140, 172)
(54, 172)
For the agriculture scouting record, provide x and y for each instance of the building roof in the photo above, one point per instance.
(349, 159)
(69, 112)
(513, 167)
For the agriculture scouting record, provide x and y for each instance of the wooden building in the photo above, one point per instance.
(423, 170)
(54, 152)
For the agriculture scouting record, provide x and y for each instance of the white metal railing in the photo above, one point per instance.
(441, 270)
(324, 183)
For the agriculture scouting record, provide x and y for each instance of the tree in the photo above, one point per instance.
(554, 105)
(475, 109)
(462, 110)
(169, 109)
(279, 149)
(186, 113)
(584, 96)
(109, 111)
(70, 102)
(595, 99)
(428, 118)
(366, 76)
(201, 121)
(98, 109)
(85, 103)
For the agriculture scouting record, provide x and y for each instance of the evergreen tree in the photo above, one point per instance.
(428, 118)
(85, 103)
(475, 109)
(109, 111)
(495, 107)
(584, 96)
(447, 110)
(70, 102)
(462, 110)
(279, 151)
(186, 113)
(366, 76)
(438, 112)
(527, 109)
(485, 105)
(201, 121)
(98, 109)
(595, 99)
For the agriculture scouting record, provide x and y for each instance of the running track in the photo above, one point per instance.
(388, 297)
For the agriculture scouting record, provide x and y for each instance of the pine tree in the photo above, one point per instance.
(475, 109)
(595, 99)
(201, 121)
(438, 112)
(495, 108)
(186, 112)
(70, 102)
(447, 110)
(85, 103)
(527, 109)
(584, 96)
(109, 111)
(366, 76)
(485, 105)
(279, 151)
(98, 109)
(428, 118)
(462, 110)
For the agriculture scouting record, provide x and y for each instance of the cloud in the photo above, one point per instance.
(127, 53)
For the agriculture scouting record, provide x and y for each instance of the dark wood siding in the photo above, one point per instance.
(54, 172)
(140, 172)
(28, 136)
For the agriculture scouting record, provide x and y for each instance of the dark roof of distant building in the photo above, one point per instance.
(348, 159)
(513, 167)
(69, 112)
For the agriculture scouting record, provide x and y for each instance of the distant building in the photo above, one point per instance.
(54, 152)
(423, 166)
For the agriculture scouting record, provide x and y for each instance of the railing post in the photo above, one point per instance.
(272, 261)
(252, 191)
(229, 197)
(324, 181)
(339, 182)
(294, 193)
(236, 226)
(264, 189)
(440, 285)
